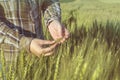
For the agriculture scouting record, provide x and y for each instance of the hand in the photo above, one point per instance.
(38, 48)
(58, 31)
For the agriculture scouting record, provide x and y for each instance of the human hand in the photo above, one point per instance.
(58, 31)
(42, 47)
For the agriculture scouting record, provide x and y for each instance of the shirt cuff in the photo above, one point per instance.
(25, 43)
(51, 20)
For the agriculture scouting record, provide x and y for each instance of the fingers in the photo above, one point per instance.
(49, 49)
(67, 34)
(63, 40)
(49, 53)
(46, 42)
(46, 51)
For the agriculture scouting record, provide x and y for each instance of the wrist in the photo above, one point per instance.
(53, 21)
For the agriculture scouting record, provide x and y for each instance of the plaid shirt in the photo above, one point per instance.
(20, 21)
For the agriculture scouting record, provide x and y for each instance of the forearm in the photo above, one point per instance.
(12, 37)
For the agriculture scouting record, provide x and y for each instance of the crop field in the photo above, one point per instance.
(91, 53)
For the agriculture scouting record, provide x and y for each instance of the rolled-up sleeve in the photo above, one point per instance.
(51, 11)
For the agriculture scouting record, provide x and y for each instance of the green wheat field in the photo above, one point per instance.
(91, 53)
